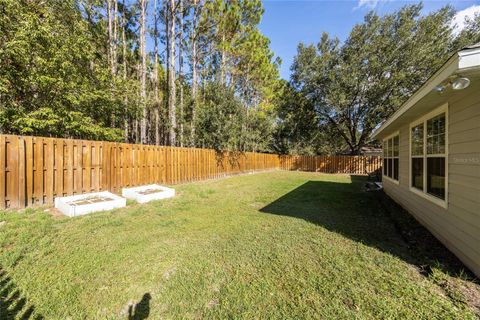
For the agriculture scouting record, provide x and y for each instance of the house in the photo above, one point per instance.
(431, 155)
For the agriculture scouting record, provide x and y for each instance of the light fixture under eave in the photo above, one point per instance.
(460, 83)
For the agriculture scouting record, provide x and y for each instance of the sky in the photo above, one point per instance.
(289, 22)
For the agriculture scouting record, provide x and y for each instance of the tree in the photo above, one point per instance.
(469, 35)
(143, 70)
(171, 36)
(194, 62)
(356, 85)
(112, 17)
(155, 73)
(55, 69)
(180, 67)
(297, 128)
(219, 119)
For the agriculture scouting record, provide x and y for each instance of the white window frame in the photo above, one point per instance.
(423, 120)
(385, 169)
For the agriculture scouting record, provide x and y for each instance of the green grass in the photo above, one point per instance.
(272, 245)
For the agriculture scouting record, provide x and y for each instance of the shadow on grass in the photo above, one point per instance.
(12, 304)
(141, 310)
(371, 218)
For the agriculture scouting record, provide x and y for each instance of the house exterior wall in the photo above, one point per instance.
(457, 225)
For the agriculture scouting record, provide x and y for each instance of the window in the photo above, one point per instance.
(390, 157)
(417, 156)
(428, 151)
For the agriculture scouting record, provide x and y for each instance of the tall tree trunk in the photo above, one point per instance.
(143, 70)
(171, 73)
(166, 133)
(223, 61)
(155, 76)
(115, 37)
(109, 33)
(194, 70)
(180, 70)
(124, 48)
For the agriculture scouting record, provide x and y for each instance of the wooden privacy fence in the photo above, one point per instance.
(35, 170)
(332, 164)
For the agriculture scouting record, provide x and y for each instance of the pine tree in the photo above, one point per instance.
(171, 37)
(143, 70)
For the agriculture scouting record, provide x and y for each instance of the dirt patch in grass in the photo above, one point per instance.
(89, 200)
(150, 191)
(433, 259)
(463, 291)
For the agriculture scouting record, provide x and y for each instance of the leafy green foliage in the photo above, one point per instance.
(53, 77)
(224, 123)
(220, 119)
(239, 58)
(470, 34)
(298, 129)
(72, 124)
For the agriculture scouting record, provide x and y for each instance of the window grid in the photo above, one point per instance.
(433, 165)
(391, 160)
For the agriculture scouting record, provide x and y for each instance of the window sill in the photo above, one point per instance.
(435, 200)
(390, 179)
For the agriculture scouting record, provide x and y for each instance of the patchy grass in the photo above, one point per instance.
(272, 245)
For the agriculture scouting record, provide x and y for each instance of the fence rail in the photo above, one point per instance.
(35, 170)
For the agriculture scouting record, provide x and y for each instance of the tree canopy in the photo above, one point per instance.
(354, 85)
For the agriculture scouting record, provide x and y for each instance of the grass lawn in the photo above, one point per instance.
(270, 245)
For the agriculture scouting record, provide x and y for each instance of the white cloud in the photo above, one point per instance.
(368, 3)
(458, 22)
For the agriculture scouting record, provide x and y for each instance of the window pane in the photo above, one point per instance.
(436, 135)
(384, 166)
(436, 177)
(390, 147)
(395, 169)
(432, 145)
(441, 142)
(390, 168)
(417, 173)
(396, 142)
(417, 140)
(436, 125)
(384, 148)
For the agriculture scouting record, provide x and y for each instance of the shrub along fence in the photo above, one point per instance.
(34, 170)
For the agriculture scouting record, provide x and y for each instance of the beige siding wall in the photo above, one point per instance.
(458, 226)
